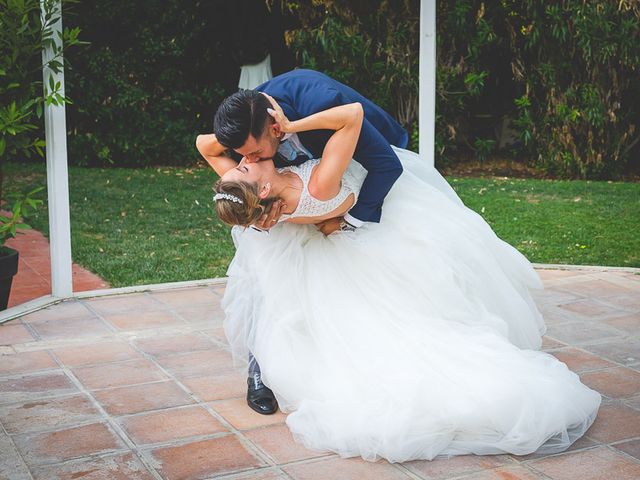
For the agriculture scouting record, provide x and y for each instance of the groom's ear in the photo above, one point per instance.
(273, 127)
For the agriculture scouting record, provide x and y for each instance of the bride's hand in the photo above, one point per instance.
(268, 220)
(278, 115)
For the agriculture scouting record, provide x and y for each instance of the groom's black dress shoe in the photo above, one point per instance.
(260, 397)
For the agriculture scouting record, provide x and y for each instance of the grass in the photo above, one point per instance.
(138, 226)
(559, 221)
(152, 225)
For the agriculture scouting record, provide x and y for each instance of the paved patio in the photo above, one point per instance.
(140, 386)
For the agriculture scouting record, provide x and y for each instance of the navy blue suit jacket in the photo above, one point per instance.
(302, 92)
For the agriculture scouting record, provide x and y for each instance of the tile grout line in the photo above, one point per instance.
(37, 272)
(103, 320)
(618, 442)
(243, 474)
(528, 463)
(601, 301)
(615, 451)
(532, 470)
(37, 345)
(620, 311)
(31, 330)
(17, 450)
(617, 313)
(614, 363)
(592, 343)
(167, 307)
(408, 472)
(622, 452)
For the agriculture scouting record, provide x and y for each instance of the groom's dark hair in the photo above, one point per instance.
(241, 114)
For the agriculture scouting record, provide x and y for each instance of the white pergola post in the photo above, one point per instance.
(427, 93)
(55, 126)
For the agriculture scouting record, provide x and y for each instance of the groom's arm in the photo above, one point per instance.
(374, 153)
(214, 153)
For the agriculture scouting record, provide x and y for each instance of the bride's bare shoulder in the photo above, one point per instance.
(321, 186)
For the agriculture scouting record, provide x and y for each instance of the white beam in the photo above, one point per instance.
(427, 93)
(55, 126)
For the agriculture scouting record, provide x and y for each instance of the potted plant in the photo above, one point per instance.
(9, 225)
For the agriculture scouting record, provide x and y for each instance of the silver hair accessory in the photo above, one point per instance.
(227, 196)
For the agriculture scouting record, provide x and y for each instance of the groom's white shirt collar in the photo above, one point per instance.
(294, 141)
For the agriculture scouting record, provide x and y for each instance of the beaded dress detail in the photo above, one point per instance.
(308, 206)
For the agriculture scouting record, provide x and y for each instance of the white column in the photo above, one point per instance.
(427, 94)
(57, 175)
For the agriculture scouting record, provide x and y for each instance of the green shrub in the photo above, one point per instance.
(22, 39)
(148, 84)
(578, 64)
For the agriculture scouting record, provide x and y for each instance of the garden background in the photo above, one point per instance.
(539, 100)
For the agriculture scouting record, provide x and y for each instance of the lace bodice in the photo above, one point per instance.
(309, 206)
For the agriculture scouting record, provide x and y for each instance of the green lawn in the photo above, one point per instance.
(138, 226)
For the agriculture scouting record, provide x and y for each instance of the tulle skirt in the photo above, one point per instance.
(413, 338)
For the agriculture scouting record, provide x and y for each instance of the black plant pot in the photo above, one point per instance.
(8, 268)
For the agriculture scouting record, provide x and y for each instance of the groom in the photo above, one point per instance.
(244, 128)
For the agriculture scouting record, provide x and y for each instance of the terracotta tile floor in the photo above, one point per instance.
(140, 386)
(34, 270)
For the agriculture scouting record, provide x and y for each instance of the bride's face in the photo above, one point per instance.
(256, 172)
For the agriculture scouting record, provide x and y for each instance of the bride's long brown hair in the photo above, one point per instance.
(246, 213)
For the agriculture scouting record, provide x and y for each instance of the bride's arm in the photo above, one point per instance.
(333, 118)
(346, 120)
(326, 178)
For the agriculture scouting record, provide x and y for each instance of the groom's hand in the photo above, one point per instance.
(270, 219)
(329, 226)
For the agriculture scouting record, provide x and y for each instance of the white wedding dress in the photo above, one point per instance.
(409, 339)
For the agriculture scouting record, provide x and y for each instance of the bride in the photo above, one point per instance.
(413, 338)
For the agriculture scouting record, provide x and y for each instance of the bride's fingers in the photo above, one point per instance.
(268, 220)
(276, 112)
(276, 116)
(273, 102)
(261, 223)
(275, 213)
